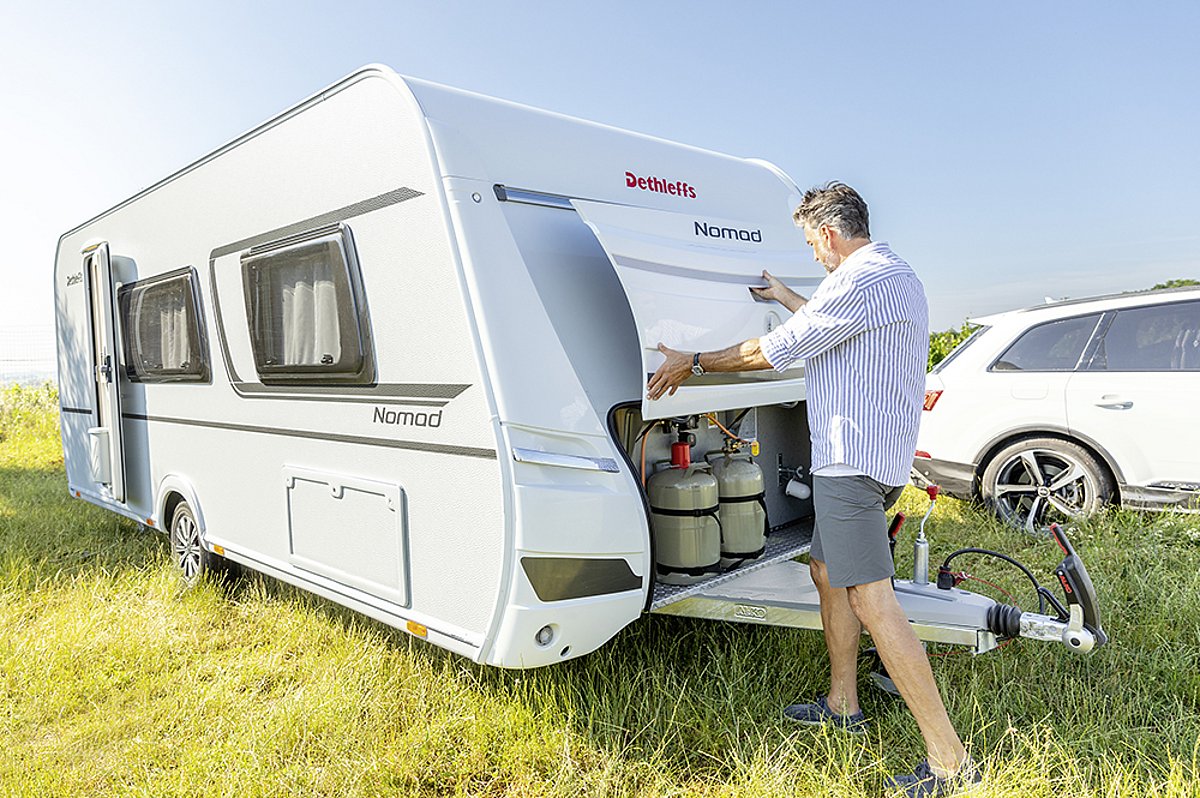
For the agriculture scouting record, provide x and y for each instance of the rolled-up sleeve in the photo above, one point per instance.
(833, 316)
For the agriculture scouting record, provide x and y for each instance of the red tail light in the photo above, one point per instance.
(931, 398)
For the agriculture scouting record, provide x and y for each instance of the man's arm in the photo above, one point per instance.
(746, 356)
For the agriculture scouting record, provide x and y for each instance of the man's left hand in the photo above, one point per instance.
(671, 374)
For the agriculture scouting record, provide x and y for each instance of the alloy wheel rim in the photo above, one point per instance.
(1039, 486)
(186, 540)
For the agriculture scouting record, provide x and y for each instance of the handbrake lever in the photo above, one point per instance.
(1081, 594)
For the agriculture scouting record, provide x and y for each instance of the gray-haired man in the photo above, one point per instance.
(864, 337)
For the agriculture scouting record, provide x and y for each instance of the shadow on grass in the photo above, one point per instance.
(44, 532)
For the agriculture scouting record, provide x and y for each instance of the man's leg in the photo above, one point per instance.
(907, 663)
(842, 635)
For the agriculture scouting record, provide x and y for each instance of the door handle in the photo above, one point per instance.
(1115, 405)
(104, 370)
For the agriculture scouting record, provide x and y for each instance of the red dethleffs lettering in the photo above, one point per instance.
(675, 188)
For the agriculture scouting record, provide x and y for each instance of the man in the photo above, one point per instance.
(865, 338)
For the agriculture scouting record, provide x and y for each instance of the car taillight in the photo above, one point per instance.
(924, 455)
(931, 398)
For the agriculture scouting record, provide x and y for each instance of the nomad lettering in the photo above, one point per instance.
(732, 233)
(407, 418)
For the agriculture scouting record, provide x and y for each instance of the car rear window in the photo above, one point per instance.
(1159, 338)
(1053, 346)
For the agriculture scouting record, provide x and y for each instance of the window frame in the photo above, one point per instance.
(1110, 317)
(130, 346)
(352, 304)
(1085, 354)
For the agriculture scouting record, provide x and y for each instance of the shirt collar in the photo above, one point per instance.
(863, 255)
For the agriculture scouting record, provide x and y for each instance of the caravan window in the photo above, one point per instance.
(161, 330)
(304, 310)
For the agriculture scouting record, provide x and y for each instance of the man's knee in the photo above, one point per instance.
(872, 600)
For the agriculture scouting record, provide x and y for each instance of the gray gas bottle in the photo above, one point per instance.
(683, 518)
(743, 506)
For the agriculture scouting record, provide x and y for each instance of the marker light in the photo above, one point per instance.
(931, 398)
(418, 629)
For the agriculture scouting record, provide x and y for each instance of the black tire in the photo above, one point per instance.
(188, 552)
(1036, 481)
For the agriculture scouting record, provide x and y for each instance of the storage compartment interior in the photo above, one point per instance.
(776, 438)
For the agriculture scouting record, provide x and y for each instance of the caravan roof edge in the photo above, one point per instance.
(369, 70)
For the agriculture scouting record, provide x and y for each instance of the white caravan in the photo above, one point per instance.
(392, 345)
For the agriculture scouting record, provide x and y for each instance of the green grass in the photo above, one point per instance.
(114, 681)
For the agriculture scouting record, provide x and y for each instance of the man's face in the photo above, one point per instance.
(821, 242)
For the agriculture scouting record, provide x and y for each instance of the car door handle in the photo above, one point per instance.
(1115, 405)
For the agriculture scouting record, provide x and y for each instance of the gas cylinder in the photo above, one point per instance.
(743, 509)
(683, 517)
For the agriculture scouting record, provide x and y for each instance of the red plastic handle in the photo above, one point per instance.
(932, 490)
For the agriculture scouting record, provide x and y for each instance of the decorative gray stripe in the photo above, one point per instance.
(86, 410)
(431, 394)
(357, 209)
(416, 446)
(711, 277)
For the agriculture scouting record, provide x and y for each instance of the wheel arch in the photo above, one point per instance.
(172, 490)
(1046, 431)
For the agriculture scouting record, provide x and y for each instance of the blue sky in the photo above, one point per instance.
(1011, 151)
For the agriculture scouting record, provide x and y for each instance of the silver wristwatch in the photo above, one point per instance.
(697, 369)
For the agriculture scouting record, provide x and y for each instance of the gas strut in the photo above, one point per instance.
(1077, 624)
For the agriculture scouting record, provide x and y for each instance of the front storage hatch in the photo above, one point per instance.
(687, 279)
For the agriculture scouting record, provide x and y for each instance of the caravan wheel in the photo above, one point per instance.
(187, 549)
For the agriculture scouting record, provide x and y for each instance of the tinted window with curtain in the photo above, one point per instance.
(1160, 338)
(1055, 346)
(161, 330)
(303, 312)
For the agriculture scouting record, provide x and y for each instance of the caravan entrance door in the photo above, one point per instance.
(104, 438)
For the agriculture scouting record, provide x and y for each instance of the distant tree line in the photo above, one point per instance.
(943, 343)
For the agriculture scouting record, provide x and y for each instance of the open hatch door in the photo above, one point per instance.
(687, 278)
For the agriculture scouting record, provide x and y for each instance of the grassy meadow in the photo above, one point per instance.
(115, 681)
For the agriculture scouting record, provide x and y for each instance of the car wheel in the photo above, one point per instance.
(187, 549)
(1037, 481)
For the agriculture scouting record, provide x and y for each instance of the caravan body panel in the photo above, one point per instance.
(475, 460)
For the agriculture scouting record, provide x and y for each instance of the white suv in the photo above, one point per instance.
(1050, 412)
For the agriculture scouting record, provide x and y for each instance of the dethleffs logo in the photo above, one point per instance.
(732, 233)
(675, 188)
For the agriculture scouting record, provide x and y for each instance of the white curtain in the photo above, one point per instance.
(173, 333)
(309, 322)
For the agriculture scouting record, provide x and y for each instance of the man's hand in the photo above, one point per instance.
(671, 374)
(777, 291)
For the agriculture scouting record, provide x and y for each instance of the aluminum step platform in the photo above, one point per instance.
(783, 544)
(780, 592)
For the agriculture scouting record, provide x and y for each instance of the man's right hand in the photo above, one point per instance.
(777, 291)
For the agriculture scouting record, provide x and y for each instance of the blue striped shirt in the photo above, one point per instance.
(864, 335)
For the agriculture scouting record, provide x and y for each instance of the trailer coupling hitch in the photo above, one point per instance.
(1077, 624)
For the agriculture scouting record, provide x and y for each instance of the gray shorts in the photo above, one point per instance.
(850, 536)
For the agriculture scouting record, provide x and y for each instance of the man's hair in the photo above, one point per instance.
(837, 205)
